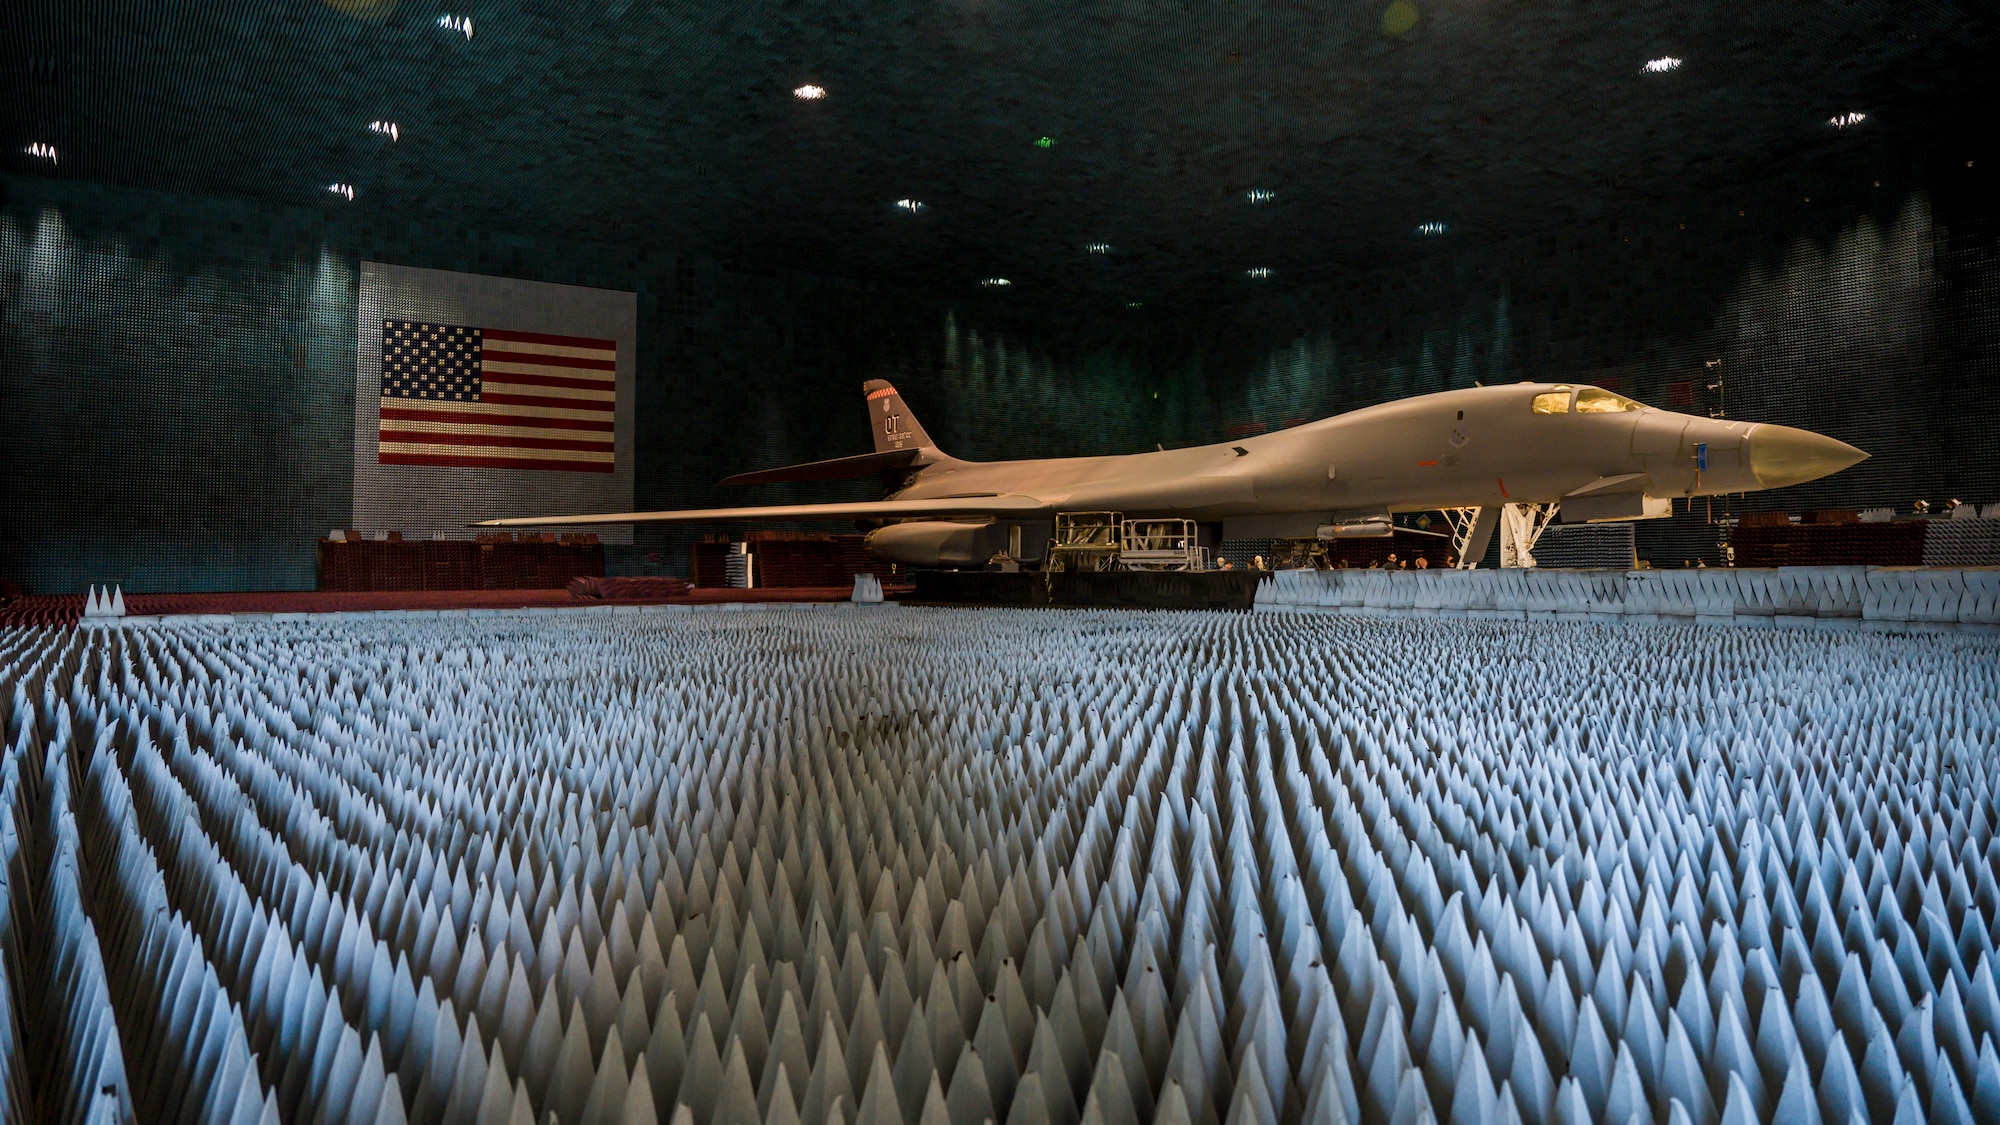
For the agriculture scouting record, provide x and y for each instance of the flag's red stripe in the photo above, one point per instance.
(470, 462)
(541, 359)
(546, 338)
(403, 414)
(548, 381)
(425, 437)
(492, 398)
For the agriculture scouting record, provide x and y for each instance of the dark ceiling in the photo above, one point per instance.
(673, 124)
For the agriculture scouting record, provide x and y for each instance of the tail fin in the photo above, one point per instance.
(895, 427)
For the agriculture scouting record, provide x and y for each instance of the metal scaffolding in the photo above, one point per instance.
(1085, 541)
(1160, 544)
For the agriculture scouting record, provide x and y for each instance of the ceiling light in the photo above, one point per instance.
(1846, 119)
(41, 151)
(1258, 273)
(1399, 17)
(1661, 65)
(1098, 248)
(809, 93)
(1260, 195)
(387, 129)
(1431, 228)
(462, 24)
(995, 282)
(345, 191)
(911, 205)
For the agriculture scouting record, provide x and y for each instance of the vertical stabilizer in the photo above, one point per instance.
(894, 426)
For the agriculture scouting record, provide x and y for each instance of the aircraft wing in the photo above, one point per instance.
(840, 468)
(1011, 505)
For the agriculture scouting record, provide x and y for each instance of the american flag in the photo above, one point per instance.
(490, 398)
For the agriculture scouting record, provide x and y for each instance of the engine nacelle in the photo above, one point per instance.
(934, 543)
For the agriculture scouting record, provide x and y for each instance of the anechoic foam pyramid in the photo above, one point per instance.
(1052, 868)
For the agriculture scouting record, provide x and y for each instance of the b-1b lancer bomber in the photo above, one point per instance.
(1520, 452)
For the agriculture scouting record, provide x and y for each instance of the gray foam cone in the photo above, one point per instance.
(1209, 869)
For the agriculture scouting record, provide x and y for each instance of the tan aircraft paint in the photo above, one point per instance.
(1466, 448)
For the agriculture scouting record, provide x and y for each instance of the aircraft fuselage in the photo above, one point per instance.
(1464, 448)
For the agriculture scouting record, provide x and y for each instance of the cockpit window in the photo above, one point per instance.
(1553, 402)
(1595, 400)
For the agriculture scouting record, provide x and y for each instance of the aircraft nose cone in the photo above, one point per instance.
(1781, 455)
